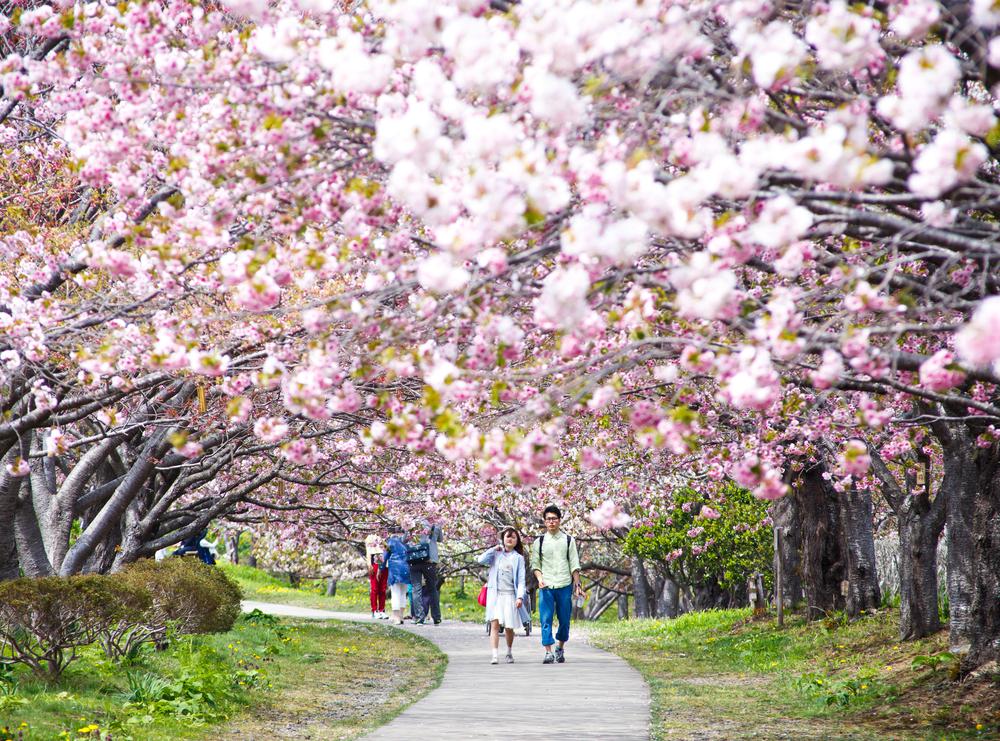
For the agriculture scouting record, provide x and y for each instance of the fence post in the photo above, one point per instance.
(779, 596)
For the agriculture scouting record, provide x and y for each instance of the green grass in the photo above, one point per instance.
(202, 686)
(352, 596)
(351, 679)
(830, 679)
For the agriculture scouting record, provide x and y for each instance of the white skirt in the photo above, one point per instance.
(505, 610)
(397, 593)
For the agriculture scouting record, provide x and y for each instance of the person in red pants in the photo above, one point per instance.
(378, 576)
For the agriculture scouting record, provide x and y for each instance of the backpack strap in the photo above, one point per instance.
(541, 542)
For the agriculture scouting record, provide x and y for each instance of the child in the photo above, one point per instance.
(378, 576)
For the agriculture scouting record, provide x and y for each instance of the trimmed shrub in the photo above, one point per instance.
(121, 637)
(43, 622)
(186, 594)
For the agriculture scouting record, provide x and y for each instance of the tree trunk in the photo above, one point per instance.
(102, 557)
(961, 484)
(666, 592)
(823, 560)
(919, 521)
(710, 596)
(110, 515)
(918, 585)
(973, 536)
(30, 546)
(985, 645)
(9, 486)
(786, 515)
(251, 558)
(640, 588)
(623, 607)
(233, 548)
(859, 547)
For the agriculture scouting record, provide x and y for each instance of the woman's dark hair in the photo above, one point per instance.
(520, 543)
(553, 509)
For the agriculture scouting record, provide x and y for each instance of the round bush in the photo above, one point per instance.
(193, 596)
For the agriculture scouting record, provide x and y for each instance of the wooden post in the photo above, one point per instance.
(779, 596)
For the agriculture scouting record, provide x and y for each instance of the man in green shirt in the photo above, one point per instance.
(556, 564)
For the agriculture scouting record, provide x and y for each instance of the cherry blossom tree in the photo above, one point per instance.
(742, 239)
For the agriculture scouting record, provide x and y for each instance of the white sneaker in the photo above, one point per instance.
(494, 660)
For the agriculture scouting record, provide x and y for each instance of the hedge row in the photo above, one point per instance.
(44, 622)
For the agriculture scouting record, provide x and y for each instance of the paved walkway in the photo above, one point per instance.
(593, 696)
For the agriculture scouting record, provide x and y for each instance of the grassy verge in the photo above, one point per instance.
(202, 684)
(720, 675)
(352, 596)
(353, 678)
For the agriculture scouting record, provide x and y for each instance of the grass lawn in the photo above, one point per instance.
(352, 596)
(718, 674)
(263, 676)
(352, 678)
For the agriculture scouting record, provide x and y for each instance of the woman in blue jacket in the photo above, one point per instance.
(505, 590)
(399, 574)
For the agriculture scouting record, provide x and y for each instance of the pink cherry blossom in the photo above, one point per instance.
(270, 429)
(938, 373)
(978, 342)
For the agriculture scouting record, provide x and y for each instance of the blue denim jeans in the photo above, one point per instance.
(560, 602)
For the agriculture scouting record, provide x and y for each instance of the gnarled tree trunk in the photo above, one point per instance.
(985, 645)
(961, 482)
(973, 532)
(666, 592)
(919, 521)
(856, 514)
(640, 588)
(822, 557)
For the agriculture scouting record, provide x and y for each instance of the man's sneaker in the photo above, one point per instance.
(494, 660)
(560, 656)
(509, 659)
(419, 622)
(549, 658)
(438, 621)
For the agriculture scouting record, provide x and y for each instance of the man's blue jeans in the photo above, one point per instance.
(560, 602)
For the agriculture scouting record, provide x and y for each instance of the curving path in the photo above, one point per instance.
(594, 695)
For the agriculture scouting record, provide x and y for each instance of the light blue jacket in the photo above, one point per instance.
(492, 582)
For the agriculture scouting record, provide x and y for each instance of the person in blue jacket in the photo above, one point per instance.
(505, 590)
(399, 574)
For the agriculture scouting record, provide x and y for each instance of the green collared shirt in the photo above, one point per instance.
(556, 570)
